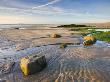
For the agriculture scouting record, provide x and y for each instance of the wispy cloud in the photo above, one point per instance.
(47, 4)
(50, 10)
(47, 9)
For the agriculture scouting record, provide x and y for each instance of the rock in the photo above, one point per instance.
(63, 45)
(89, 40)
(55, 36)
(17, 28)
(87, 43)
(32, 64)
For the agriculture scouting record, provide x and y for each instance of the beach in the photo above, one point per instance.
(75, 63)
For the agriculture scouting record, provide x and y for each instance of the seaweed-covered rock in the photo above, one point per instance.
(55, 36)
(89, 40)
(87, 43)
(32, 64)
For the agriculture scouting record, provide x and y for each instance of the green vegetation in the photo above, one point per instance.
(72, 25)
(83, 30)
(104, 36)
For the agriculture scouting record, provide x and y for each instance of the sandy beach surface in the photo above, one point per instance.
(75, 63)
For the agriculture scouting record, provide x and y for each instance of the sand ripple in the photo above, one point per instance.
(70, 65)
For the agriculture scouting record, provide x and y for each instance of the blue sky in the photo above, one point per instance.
(54, 11)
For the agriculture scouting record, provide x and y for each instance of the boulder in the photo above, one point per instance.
(89, 40)
(32, 64)
(55, 36)
(93, 39)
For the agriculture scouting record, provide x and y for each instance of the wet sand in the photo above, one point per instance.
(75, 63)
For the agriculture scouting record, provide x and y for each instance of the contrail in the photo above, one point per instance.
(50, 3)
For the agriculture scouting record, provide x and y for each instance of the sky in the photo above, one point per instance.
(54, 11)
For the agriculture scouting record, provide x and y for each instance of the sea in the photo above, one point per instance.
(11, 26)
(103, 30)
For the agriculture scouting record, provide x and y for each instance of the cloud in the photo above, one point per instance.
(46, 9)
(14, 6)
(50, 11)
(49, 3)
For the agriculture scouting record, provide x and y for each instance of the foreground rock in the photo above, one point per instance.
(32, 64)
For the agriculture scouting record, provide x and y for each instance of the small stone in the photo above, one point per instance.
(63, 45)
(55, 36)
